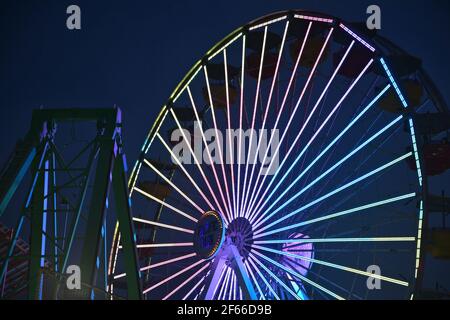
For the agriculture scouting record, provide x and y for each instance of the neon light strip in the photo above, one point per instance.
(216, 178)
(163, 225)
(187, 83)
(165, 204)
(249, 270)
(174, 157)
(241, 108)
(298, 275)
(311, 18)
(224, 284)
(264, 24)
(162, 114)
(269, 99)
(289, 88)
(229, 132)
(354, 35)
(327, 240)
(193, 288)
(225, 46)
(325, 150)
(195, 157)
(172, 276)
(244, 189)
(295, 108)
(337, 164)
(173, 186)
(229, 208)
(337, 214)
(365, 176)
(185, 282)
(263, 278)
(314, 137)
(419, 239)
(164, 245)
(336, 266)
(275, 277)
(162, 263)
(411, 124)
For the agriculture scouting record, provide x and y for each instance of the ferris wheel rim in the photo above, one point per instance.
(217, 48)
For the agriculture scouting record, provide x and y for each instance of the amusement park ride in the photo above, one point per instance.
(363, 135)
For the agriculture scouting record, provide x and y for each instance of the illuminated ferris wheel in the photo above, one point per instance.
(283, 166)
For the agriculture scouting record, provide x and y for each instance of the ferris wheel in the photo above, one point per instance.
(284, 166)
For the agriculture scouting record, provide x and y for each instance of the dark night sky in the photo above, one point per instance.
(133, 53)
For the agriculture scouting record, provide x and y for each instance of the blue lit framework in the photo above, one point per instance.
(276, 205)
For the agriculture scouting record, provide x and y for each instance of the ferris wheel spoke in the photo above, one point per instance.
(163, 225)
(194, 288)
(345, 186)
(284, 285)
(336, 266)
(264, 217)
(197, 163)
(299, 276)
(298, 242)
(231, 151)
(185, 282)
(296, 108)
(312, 139)
(169, 261)
(213, 167)
(164, 245)
(319, 129)
(255, 106)
(331, 169)
(251, 259)
(241, 108)
(359, 209)
(249, 271)
(269, 100)
(228, 208)
(222, 291)
(216, 285)
(151, 197)
(184, 270)
(292, 77)
(169, 182)
(159, 264)
(186, 173)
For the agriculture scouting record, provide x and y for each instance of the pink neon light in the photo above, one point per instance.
(254, 112)
(358, 38)
(162, 263)
(195, 157)
(293, 113)
(173, 276)
(163, 245)
(185, 282)
(326, 120)
(241, 107)
(311, 18)
(267, 110)
(216, 178)
(185, 171)
(233, 210)
(218, 145)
